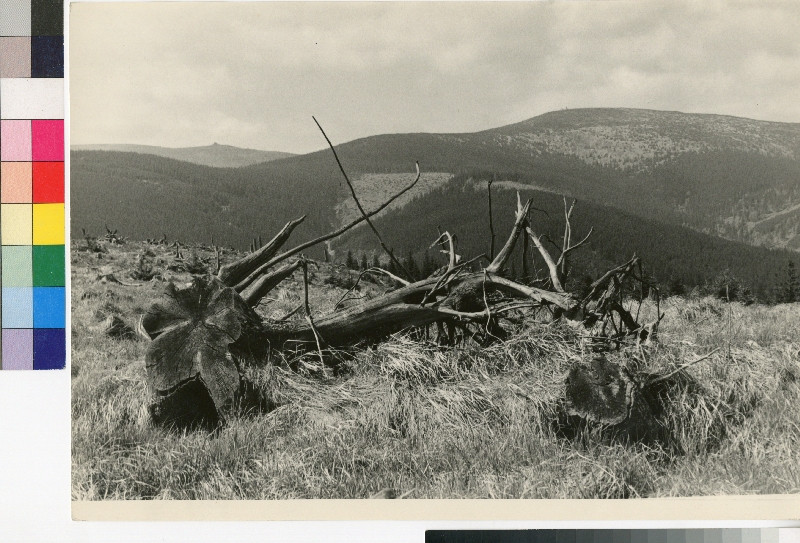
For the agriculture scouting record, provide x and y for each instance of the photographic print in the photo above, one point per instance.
(426, 251)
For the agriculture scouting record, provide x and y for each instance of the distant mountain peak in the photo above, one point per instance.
(216, 154)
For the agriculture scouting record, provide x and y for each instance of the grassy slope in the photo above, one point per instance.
(436, 423)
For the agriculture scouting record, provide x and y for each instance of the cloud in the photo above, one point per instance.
(252, 74)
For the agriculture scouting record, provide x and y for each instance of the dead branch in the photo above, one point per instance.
(336, 233)
(358, 203)
(520, 222)
(491, 219)
(264, 284)
(548, 260)
(233, 273)
(388, 274)
(562, 258)
(450, 251)
(309, 317)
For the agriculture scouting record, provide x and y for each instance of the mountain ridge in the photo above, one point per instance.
(728, 177)
(216, 155)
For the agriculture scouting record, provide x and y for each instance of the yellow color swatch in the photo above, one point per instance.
(15, 224)
(48, 224)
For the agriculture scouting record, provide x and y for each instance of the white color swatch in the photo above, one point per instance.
(32, 98)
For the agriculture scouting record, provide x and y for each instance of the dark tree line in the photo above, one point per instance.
(420, 264)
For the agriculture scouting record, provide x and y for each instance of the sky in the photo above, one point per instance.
(249, 74)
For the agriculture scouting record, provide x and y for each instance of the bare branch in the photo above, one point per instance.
(491, 221)
(350, 290)
(453, 258)
(571, 248)
(601, 283)
(309, 318)
(286, 317)
(388, 274)
(291, 252)
(558, 299)
(520, 222)
(525, 273)
(554, 278)
(485, 313)
(684, 366)
(358, 203)
(233, 273)
(264, 284)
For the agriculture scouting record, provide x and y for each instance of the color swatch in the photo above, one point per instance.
(32, 223)
(711, 535)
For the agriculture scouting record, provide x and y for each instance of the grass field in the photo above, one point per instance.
(411, 419)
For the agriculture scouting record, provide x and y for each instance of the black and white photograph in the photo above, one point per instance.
(433, 251)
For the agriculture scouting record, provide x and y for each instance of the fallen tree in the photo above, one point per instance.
(205, 333)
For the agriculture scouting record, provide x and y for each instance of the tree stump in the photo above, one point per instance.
(201, 334)
(606, 395)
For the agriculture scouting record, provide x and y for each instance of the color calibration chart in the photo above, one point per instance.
(32, 227)
(708, 535)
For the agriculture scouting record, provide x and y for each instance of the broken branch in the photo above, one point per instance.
(358, 203)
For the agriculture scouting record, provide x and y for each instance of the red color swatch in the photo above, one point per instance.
(48, 140)
(48, 182)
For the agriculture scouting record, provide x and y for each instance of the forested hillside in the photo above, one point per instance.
(727, 176)
(674, 256)
(650, 182)
(144, 196)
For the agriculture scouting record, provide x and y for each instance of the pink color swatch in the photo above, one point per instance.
(15, 140)
(48, 140)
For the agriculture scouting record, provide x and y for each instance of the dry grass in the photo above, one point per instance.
(429, 422)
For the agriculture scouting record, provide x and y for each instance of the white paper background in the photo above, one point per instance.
(35, 483)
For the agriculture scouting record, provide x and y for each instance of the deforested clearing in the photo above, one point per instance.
(407, 417)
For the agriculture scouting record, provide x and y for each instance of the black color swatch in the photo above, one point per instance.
(47, 56)
(47, 17)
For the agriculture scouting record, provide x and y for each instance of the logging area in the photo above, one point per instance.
(266, 374)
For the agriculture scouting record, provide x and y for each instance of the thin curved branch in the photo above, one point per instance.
(291, 252)
(491, 219)
(451, 252)
(388, 274)
(358, 203)
(485, 313)
(309, 318)
(573, 247)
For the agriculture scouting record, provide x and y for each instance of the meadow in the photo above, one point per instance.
(407, 418)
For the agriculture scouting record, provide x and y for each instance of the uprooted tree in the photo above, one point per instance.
(206, 333)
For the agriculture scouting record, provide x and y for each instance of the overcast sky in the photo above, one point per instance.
(252, 74)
